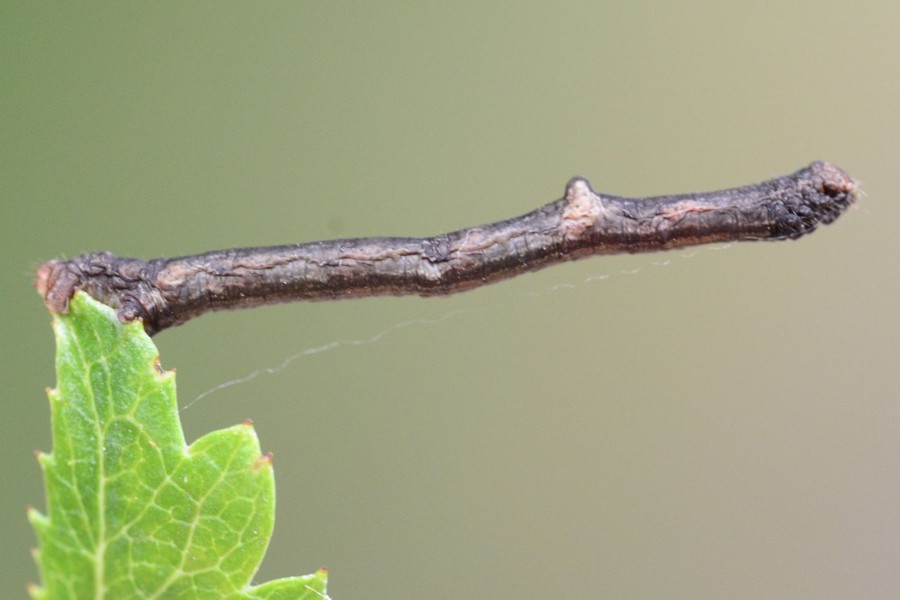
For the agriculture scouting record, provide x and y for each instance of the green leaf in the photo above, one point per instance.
(132, 511)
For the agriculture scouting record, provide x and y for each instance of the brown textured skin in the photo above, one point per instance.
(167, 292)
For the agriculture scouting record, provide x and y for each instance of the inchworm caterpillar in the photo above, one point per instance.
(165, 292)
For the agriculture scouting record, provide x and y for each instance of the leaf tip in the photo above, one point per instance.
(45, 459)
(264, 461)
(36, 591)
(38, 520)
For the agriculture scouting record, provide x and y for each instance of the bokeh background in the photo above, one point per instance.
(718, 423)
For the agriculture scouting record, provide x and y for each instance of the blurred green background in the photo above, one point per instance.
(718, 423)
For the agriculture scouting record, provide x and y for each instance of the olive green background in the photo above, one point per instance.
(718, 423)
